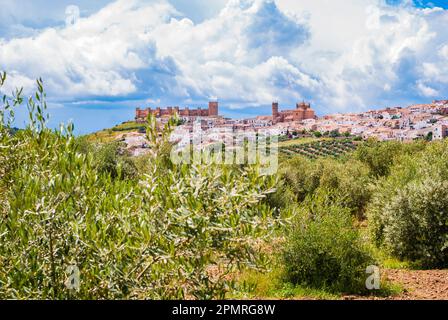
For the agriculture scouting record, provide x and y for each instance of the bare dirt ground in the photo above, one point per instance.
(417, 284)
(420, 284)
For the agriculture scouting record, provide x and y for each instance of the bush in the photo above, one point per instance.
(301, 175)
(324, 250)
(409, 210)
(128, 126)
(83, 145)
(381, 156)
(282, 198)
(111, 158)
(347, 181)
(176, 233)
(416, 223)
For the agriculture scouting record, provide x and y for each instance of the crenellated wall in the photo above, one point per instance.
(212, 111)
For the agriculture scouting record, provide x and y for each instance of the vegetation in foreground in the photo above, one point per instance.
(169, 232)
(145, 228)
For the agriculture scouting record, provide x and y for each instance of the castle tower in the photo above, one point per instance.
(213, 109)
(275, 111)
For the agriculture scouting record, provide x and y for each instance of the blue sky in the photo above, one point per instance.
(342, 55)
(422, 3)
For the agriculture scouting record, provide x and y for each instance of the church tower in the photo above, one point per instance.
(213, 109)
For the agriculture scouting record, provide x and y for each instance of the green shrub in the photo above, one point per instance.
(324, 250)
(301, 175)
(347, 181)
(282, 198)
(416, 223)
(177, 232)
(381, 156)
(83, 145)
(128, 126)
(408, 213)
(111, 158)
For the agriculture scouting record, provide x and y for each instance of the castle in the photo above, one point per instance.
(302, 112)
(212, 111)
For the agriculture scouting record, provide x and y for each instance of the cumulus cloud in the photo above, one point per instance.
(341, 55)
(98, 56)
(272, 31)
(392, 56)
(242, 55)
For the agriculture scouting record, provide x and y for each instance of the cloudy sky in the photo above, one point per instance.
(101, 59)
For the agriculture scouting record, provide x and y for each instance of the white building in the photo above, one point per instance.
(440, 132)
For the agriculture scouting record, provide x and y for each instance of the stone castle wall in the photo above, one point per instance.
(212, 111)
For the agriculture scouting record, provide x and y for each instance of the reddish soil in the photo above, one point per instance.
(420, 284)
(416, 284)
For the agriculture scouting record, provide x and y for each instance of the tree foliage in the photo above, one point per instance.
(409, 210)
(324, 250)
(346, 181)
(174, 232)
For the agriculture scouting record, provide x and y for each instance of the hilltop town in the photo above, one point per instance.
(403, 124)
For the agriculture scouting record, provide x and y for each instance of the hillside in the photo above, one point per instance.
(116, 132)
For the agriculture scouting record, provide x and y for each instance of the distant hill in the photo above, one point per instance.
(108, 135)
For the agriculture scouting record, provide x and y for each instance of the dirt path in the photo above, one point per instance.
(420, 284)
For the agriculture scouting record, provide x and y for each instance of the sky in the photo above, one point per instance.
(101, 59)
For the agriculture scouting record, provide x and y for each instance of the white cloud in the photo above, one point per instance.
(427, 91)
(387, 45)
(96, 56)
(444, 51)
(342, 55)
(15, 81)
(240, 55)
